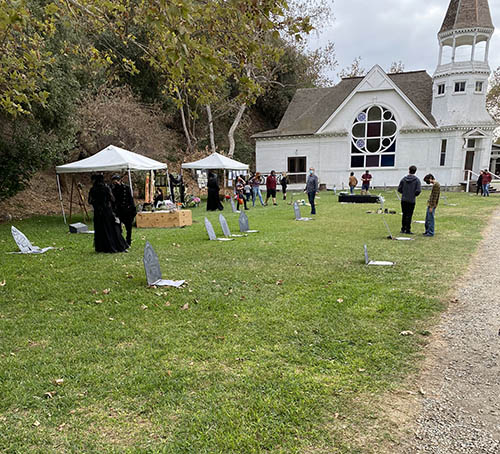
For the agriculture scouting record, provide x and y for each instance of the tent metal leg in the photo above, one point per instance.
(71, 198)
(130, 183)
(60, 197)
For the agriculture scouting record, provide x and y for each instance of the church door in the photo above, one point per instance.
(469, 157)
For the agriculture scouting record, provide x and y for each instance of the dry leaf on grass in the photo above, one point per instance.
(2, 284)
(167, 303)
(185, 307)
(279, 282)
(106, 291)
(94, 291)
(406, 333)
(59, 381)
(98, 301)
(36, 423)
(340, 300)
(144, 307)
(50, 394)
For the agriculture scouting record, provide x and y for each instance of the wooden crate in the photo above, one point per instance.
(163, 219)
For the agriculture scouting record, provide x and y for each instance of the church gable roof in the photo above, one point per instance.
(311, 108)
(466, 14)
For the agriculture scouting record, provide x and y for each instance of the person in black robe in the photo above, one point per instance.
(124, 205)
(107, 230)
(213, 200)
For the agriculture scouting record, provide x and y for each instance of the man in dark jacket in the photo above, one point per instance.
(409, 188)
(124, 205)
(312, 187)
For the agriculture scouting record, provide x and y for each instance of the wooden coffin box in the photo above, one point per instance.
(163, 219)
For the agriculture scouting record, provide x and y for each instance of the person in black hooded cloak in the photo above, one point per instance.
(213, 200)
(107, 231)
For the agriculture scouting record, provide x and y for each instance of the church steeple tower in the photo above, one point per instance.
(461, 78)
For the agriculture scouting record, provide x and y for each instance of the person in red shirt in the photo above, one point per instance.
(271, 187)
(366, 178)
(486, 183)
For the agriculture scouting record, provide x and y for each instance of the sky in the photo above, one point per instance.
(383, 31)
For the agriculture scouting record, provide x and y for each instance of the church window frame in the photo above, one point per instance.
(374, 133)
(460, 87)
(441, 89)
(479, 88)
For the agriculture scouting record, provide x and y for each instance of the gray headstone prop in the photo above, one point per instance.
(211, 232)
(446, 202)
(390, 237)
(244, 226)
(79, 227)
(153, 270)
(225, 228)
(233, 206)
(298, 217)
(24, 244)
(375, 263)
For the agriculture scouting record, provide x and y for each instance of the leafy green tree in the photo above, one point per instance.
(24, 57)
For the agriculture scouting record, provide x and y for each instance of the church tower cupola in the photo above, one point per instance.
(461, 78)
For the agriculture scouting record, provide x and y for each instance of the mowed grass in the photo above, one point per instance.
(286, 331)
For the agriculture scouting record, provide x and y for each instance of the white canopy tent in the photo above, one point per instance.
(111, 159)
(215, 161)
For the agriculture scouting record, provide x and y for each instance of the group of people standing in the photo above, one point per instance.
(113, 206)
(366, 179)
(410, 188)
(247, 188)
(483, 183)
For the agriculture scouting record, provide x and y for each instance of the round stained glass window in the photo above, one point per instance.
(374, 130)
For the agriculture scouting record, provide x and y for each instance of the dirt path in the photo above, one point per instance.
(460, 410)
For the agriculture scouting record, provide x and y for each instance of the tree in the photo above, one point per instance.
(24, 57)
(355, 70)
(397, 67)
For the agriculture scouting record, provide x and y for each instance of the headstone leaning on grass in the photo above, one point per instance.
(225, 228)
(244, 224)
(211, 232)
(298, 217)
(24, 245)
(153, 270)
(233, 206)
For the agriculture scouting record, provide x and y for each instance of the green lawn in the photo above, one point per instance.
(287, 330)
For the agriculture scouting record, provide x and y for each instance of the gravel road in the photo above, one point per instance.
(461, 383)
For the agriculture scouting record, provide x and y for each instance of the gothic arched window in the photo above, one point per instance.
(373, 142)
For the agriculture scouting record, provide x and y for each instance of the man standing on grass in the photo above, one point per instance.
(271, 187)
(431, 204)
(312, 186)
(366, 178)
(409, 188)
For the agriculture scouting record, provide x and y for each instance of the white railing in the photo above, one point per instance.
(469, 174)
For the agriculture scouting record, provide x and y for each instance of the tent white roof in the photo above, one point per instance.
(112, 159)
(215, 161)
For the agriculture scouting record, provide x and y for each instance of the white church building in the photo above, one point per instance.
(387, 122)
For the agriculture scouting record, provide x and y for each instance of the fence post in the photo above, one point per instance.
(468, 181)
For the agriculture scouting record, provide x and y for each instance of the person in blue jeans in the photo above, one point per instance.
(312, 186)
(255, 182)
(432, 204)
(486, 182)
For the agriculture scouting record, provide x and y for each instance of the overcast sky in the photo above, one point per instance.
(383, 31)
